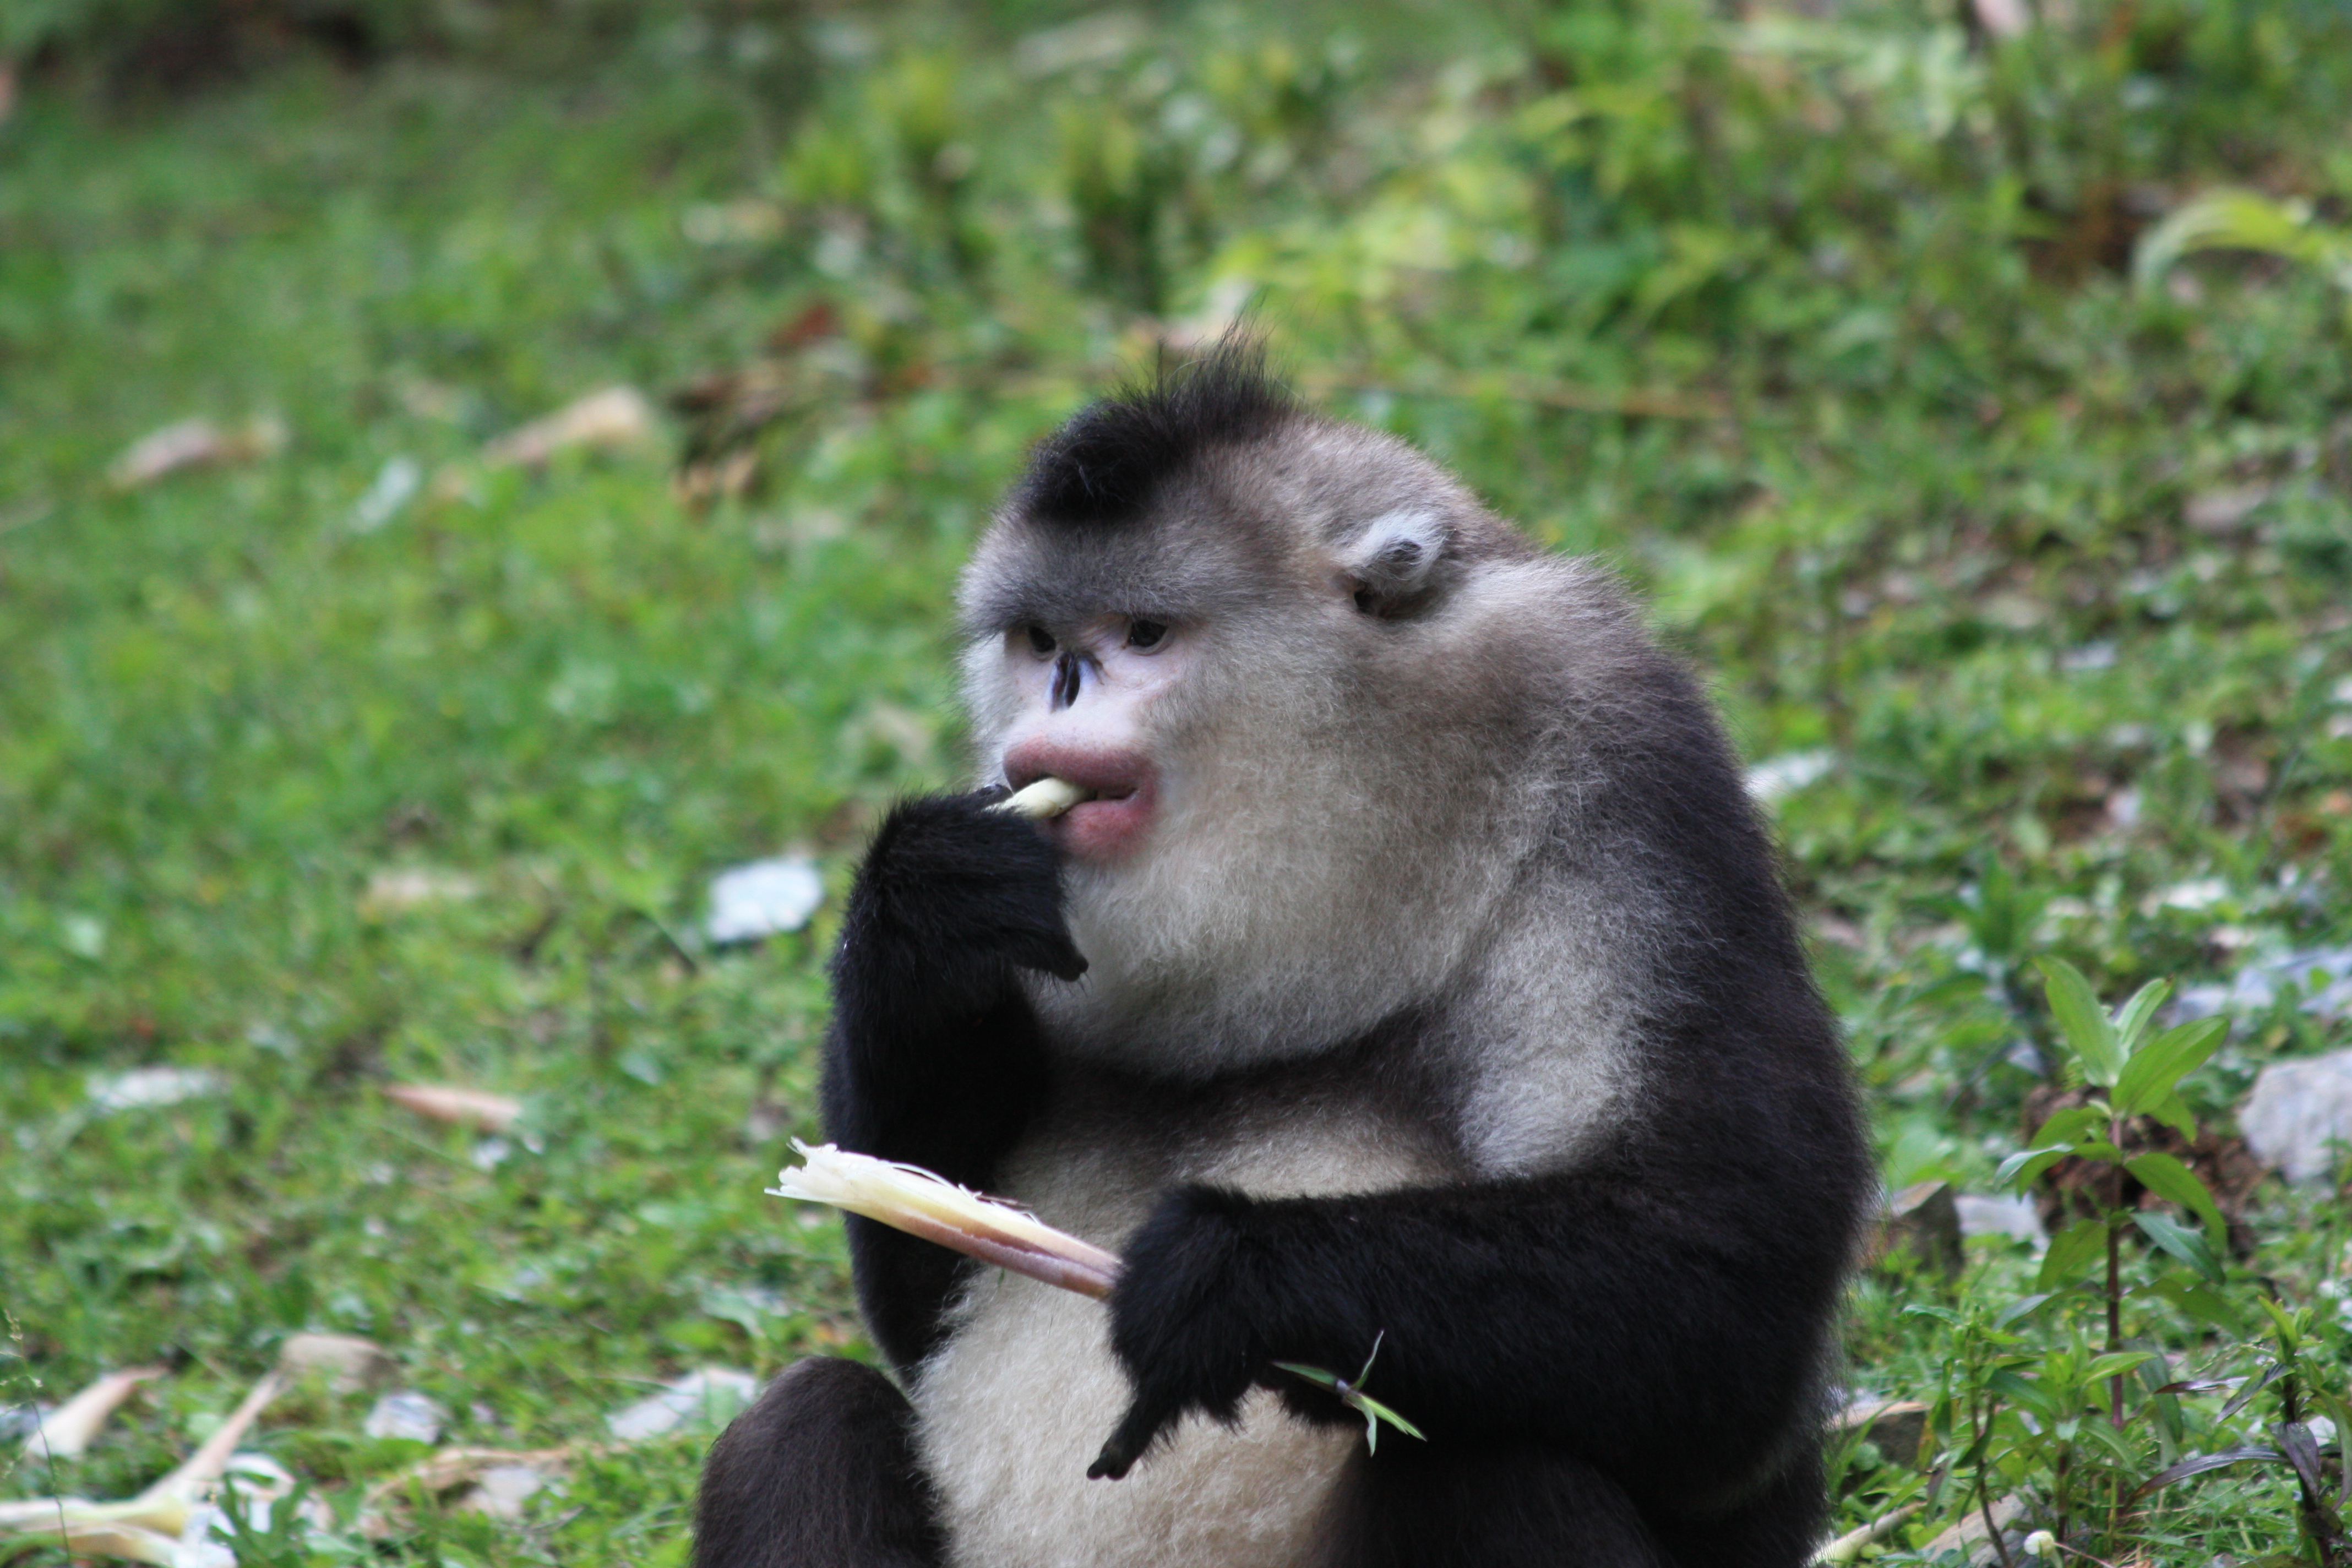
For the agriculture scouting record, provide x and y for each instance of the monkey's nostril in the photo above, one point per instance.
(1067, 676)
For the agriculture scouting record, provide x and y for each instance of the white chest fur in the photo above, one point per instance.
(1016, 1405)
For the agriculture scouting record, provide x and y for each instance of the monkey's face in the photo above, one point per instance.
(1285, 707)
(1087, 697)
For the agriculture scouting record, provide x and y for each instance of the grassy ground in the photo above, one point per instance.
(1817, 332)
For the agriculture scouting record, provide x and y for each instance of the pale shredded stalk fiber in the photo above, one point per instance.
(909, 1198)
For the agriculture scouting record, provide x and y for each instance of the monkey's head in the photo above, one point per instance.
(1296, 663)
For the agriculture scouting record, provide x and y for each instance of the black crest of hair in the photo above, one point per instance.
(1108, 462)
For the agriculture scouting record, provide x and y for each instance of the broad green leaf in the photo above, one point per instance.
(2237, 220)
(2200, 1303)
(2065, 1126)
(2107, 1438)
(2188, 1245)
(2205, 1464)
(1314, 1374)
(2153, 1072)
(2168, 1179)
(2289, 1336)
(2089, 1033)
(1373, 1407)
(2070, 1251)
(2024, 1307)
(2023, 1390)
(2114, 1364)
(2173, 1111)
(2131, 1023)
(2021, 1168)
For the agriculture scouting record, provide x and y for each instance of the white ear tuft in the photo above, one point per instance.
(1392, 563)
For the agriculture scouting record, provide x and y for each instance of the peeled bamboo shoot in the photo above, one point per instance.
(909, 1198)
(1046, 797)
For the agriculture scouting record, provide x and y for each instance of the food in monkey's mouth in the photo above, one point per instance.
(1102, 804)
(1047, 798)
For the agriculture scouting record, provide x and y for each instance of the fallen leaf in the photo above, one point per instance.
(408, 887)
(193, 444)
(474, 1108)
(493, 1480)
(66, 1432)
(170, 1523)
(616, 419)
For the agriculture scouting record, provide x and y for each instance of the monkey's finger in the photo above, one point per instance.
(1136, 1431)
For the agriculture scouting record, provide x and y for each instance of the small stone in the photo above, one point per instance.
(2013, 1218)
(1971, 1536)
(405, 1414)
(1923, 1221)
(712, 1396)
(396, 484)
(501, 1490)
(1776, 777)
(2322, 977)
(347, 1361)
(2222, 511)
(1896, 1427)
(762, 899)
(2298, 1119)
(145, 1089)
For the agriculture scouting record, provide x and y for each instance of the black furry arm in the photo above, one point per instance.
(933, 1057)
(1662, 1321)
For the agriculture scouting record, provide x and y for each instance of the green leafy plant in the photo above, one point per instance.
(1351, 1393)
(2133, 1073)
(2302, 1380)
(2232, 219)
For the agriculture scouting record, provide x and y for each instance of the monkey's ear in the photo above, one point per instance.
(1392, 568)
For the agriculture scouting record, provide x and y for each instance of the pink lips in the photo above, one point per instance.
(1106, 827)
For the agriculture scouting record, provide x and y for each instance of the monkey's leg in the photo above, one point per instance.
(1779, 1527)
(820, 1473)
(1425, 1506)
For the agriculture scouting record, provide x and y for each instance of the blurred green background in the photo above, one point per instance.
(2009, 513)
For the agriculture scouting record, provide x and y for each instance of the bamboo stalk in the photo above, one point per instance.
(909, 1198)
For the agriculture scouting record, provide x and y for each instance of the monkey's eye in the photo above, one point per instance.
(1041, 640)
(1144, 633)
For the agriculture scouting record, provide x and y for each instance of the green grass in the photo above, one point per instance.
(1918, 502)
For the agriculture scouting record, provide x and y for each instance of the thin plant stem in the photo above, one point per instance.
(2116, 1280)
(1980, 1428)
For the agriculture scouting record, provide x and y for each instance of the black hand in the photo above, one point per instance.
(950, 892)
(1182, 1322)
(934, 1055)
